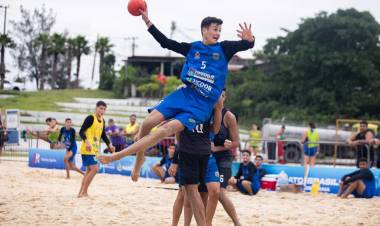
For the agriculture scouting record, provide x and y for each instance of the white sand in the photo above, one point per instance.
(30, 196)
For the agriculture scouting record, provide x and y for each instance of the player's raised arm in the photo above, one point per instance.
(181, 48)
(244, 32)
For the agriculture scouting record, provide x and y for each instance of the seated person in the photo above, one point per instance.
(360, 183)
(258, 163)
(247, 179)
(161, 168)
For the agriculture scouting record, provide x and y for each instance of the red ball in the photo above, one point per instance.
(134, 7)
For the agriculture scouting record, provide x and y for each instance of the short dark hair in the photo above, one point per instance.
(67, 119)
(172, 145)
(364, 122)
(206, 22)
(48, 119)
(260, 157)
(246, 151)
(133, 115)
(110, 120)
(283, 127)
(101, 103)
(363, 160)
(312, 125)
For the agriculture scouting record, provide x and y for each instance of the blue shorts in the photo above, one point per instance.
(187, 106)
(74, 151)
(368, 192)
(212, 174)
(89, 160)
(241, 188)
(310, 152)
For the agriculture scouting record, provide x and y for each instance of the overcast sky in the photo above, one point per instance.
(110, 18)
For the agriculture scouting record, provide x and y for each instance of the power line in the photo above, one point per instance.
(133, 45)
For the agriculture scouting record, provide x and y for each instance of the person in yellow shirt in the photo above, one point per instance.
(255, 136)
(131, 129)
(310, 141)
(92, 130)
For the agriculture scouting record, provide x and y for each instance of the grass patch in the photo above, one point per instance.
(45, 100)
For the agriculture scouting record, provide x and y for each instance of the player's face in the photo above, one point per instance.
(363, 127)
(100, 110)
(171, 150)
(68, 124)
(363, 165)
(246, 157)
(211, 34)
(258, 162)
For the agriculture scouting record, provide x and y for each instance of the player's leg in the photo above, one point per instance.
(90, 177)
(342, 188)
(68, 155)
(196, 203)
(159, 171)
(80, 194)
(213, 197)
(188, 212)
(247, 186)
(225, 175)
(178, 206)
(75, 168)
(145, 142)
(232, 182)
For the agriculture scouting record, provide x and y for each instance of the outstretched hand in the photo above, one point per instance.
(145, 17)
(245, 32)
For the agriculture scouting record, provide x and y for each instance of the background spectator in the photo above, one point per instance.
(114, 133)
(131, 129)
(255, 136)
(280, 137)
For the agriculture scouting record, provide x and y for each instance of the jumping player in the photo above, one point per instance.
(92, 130)
(204, 73)
(68, 134)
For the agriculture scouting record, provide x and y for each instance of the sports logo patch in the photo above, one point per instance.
(215, 56)
(197, 55)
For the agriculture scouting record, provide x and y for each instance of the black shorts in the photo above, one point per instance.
(192, 168)
(224, 166)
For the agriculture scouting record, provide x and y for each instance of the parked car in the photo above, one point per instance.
(17, 86)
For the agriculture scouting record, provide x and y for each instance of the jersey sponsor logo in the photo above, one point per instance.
(198, 129)
(215, 56)
(201, 75)
(197, 55)
(191, 120)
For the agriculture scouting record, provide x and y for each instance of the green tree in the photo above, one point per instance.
(327, 68)
(150, 89)
(81, 47)
(5, 42)
(56, 49)
(30, 57)
(108, 75)
(42, 42)
(103, 47)
(69, 50)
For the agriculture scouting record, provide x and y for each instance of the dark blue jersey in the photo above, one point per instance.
(68, 137)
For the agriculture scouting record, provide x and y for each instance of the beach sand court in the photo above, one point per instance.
(31, 196)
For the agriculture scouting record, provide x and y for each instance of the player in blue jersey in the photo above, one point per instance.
(204, 73)
(68, 134)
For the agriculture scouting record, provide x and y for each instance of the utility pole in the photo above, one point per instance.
(2, 63)
(173, 28)
(134, 45)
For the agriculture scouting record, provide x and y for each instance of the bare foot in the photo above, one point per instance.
(135, 175)
(82, 195)
(105, 159)
(67, 177)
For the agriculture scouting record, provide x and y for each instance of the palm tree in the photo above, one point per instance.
(70, 46)
(6, 42)
(42, 42)
(80, 47)
(56, 48)
(102, 46)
